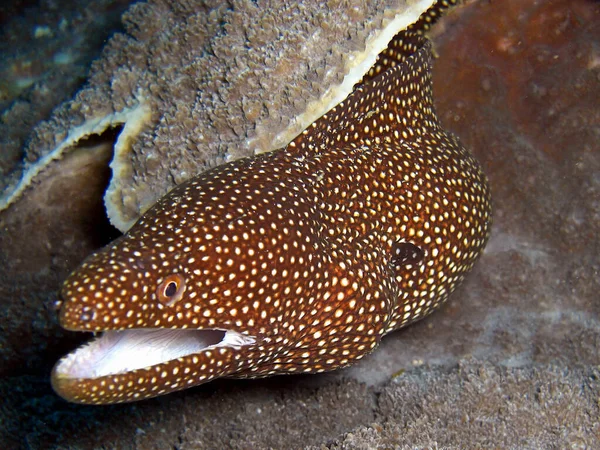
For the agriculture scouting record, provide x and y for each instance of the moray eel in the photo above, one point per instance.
(294, 261)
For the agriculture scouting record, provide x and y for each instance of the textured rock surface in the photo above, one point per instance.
(46, 54)
(480, 406)
(509, 361)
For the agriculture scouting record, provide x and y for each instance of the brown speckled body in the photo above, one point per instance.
(363, 224)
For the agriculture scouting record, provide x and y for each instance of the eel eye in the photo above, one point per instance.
(171, 289)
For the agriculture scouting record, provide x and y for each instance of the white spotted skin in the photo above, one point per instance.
(296, 248)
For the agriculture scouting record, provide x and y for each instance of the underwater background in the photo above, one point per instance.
(512, 360)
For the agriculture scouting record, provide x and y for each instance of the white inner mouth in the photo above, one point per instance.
(123, 351)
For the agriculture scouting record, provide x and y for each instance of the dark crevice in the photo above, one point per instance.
(100, 231)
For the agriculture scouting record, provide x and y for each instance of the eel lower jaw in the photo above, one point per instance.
(123, 351)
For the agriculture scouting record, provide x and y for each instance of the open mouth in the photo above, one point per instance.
(122, 351)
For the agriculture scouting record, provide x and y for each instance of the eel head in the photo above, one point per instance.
(227, 275)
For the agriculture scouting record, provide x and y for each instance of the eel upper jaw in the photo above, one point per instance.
(121, 351)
